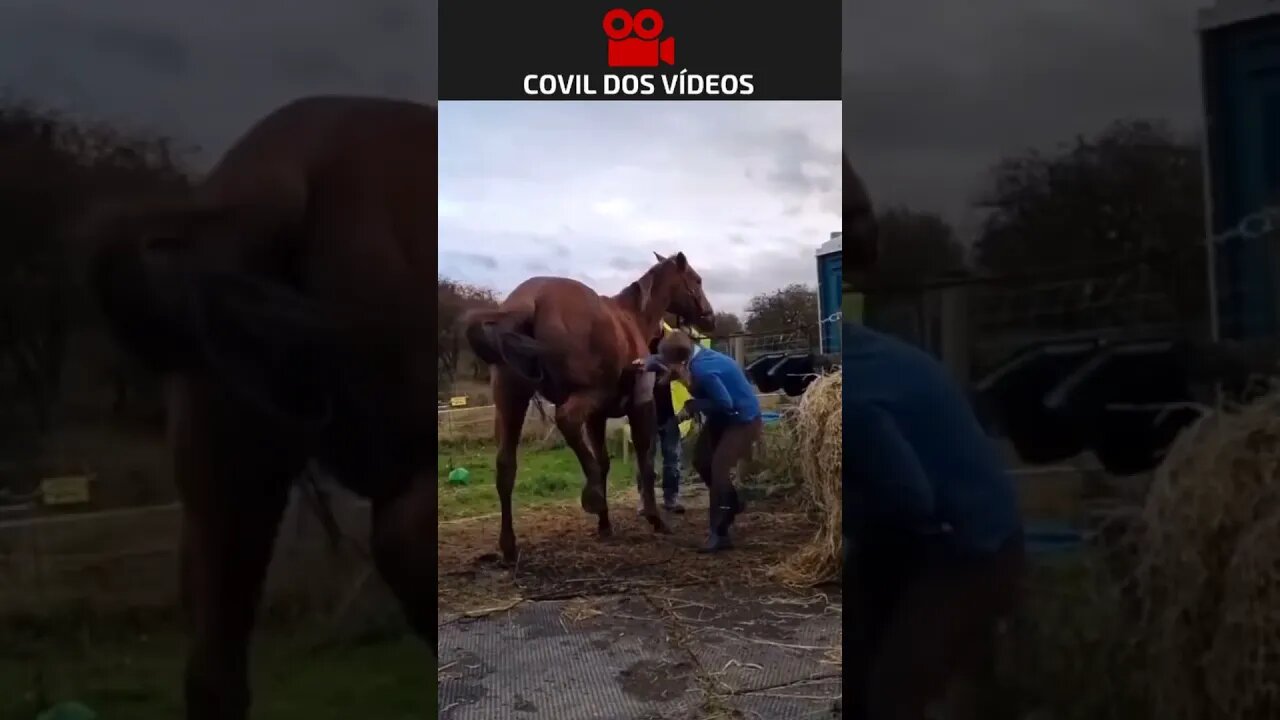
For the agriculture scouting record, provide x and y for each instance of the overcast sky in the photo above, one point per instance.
(590, 190)
(936, 90)
(202, 72)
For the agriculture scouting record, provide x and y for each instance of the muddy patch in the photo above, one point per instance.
(522, 704)
(655, 680)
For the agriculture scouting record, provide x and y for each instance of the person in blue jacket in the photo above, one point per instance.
(933, 517)
(732, 422)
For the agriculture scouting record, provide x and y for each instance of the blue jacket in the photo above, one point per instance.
(720, 388)
(915, 451)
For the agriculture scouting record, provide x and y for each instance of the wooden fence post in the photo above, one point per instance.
(955, 350)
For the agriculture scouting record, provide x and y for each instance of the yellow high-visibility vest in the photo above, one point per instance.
(679, 393)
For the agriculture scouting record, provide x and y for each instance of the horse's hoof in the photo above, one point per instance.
(510, 553)
(659, 525)
(593, 500)
(604, 532)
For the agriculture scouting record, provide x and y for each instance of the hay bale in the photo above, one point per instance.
(815, 427)
(1207, 580)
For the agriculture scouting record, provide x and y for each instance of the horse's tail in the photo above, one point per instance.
(250, 333)
(505, 338)
(145, 311)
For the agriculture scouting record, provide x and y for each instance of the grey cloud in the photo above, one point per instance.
(728, 288)
(1018, 74)
(626, 264)
(203, 73)
(313, 64)
(484, 261)
(155, 50)
(396, 18)
(537, 266)
(798, 162)
(737, 239)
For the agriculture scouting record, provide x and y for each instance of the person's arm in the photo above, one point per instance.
(895, 488)
(653, 363)
(715, 397)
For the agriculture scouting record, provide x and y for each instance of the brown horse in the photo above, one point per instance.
(557, 338)
(283, 302)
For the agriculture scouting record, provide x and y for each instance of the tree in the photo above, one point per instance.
(54, 168)
(783, 310)
(727, 323)
(1124, 205)
(915, 246)
(455, 298)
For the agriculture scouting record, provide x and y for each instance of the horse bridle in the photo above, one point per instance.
(681, 321)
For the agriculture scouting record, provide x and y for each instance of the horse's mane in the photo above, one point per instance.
(632, 296)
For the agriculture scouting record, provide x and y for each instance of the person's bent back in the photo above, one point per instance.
(918, 449)
(937, 533)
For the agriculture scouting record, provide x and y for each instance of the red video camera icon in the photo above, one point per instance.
(643, 50)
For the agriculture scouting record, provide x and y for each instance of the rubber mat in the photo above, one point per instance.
(637, 658)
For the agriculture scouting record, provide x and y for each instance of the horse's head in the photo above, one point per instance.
(675, 280)
(860, 232)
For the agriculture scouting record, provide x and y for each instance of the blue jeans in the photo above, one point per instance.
(669, 446)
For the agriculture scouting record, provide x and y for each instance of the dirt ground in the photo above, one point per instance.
(638, 626)
(561, 557)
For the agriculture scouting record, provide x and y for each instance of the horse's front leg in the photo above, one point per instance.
(644, 427)
(571, 420)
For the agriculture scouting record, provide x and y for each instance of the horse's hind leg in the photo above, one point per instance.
(643, 430)
(511, 398)
(571, 419)
(596, 426)
(234, 489)
(404, 549)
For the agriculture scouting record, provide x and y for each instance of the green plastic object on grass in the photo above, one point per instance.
(68, 711)
(459, 476)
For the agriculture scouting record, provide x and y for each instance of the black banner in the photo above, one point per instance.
(652, 50)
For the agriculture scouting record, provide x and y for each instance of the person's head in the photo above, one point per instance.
(676, 347)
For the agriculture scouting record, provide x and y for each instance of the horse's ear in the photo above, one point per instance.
(646, 289)
(660, 258)
(681, 261)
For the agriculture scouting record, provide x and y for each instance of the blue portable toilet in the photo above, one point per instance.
(1240, 73)
(830, 275)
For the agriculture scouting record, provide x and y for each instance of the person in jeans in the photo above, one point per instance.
(732, 422)
(937, 550)
(669, 397)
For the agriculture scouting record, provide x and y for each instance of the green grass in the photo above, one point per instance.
(543, 476)
(137, 675)
(133, 668)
